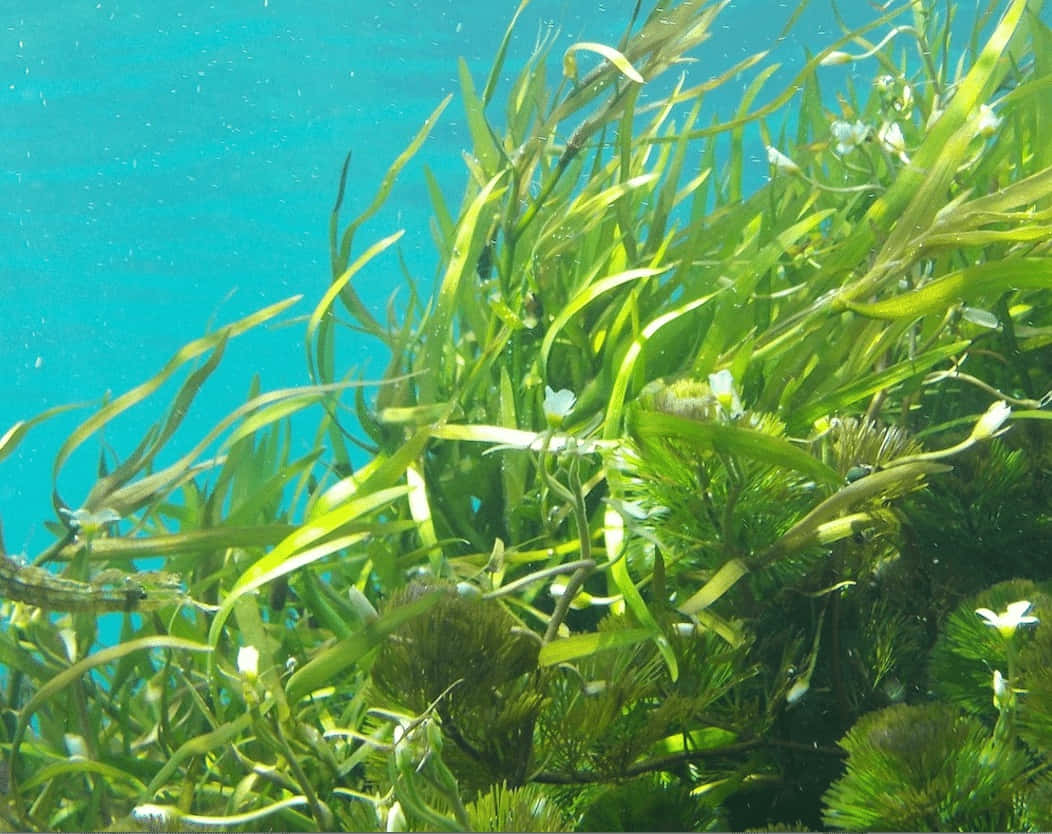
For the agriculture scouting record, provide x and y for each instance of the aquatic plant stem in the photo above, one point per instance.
(536, 576)
(322, 815)
(575, 498)
(443, 780)
(676, 760)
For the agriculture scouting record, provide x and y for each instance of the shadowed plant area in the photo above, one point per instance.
(685, 506)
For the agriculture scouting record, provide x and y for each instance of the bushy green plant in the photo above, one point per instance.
(925, 768)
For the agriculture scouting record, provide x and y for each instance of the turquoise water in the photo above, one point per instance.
(166, 169)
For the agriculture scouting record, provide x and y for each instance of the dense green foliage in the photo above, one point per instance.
(679, 503)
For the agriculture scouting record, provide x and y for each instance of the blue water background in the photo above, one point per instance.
(169, 167)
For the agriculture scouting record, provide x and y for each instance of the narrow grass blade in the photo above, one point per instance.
(185, 354)
(731, 439)
(14, 435)
(583, 645)
(327, 665)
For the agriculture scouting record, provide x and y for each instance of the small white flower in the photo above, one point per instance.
(797, 690)
(557, 405)
(68, 636)
(983, 318)
(153, 816)
(890, 136)
(988, 122)
(904, 104)
(248, 662)
(1010, 619)
(593, 688)
(722, 385)
(848, 136)
(782, 164)
(990, 423)
(76, 746)
(1001, 691)
(395, 820)
(469, 591)
(87, 523)
(361, 605)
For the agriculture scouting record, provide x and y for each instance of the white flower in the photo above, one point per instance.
(782, 164)
(890, 136)
(153, 816)
(395, 820)
(557, 405)
(466, 589)
(798, 690)
(885, 84)
(76, 746)
(988, 122)
(1010, 619)
(361, 605)
(848, 136)
(904, 104)
(990, 423)
(248, 662)
(87, 523)
(593, 688)
(68, 636)
(722, 385)
(983, 318)
(1002, 693)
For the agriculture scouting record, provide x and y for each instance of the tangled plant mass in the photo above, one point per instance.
(684, 508)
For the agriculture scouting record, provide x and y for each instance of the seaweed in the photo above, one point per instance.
(679, 501)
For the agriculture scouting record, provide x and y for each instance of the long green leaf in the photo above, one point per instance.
(14, 435)
(918, 192)
(344, 254)
(733, 440)
(185, 354)
(967, 284)
(583, 645)
(296, 550)
(325, 667)
(466, 247)
(591, 293)
(60, 681)
(866, 386)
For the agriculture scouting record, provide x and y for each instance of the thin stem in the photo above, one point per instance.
(676, 760)
(322, 815)
(575, 497)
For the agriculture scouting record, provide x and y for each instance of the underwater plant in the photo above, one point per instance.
(679, 498)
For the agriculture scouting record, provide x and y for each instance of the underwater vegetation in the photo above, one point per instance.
(684, 507)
